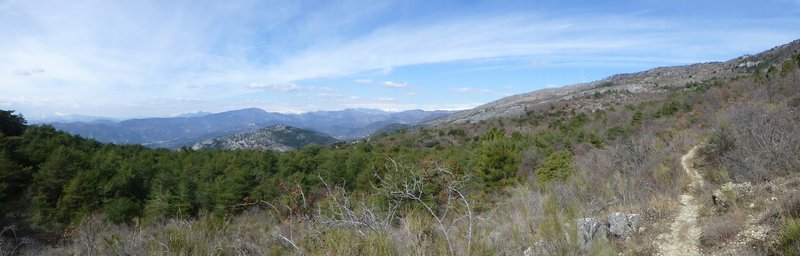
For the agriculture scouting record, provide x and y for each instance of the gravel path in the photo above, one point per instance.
(684, 233)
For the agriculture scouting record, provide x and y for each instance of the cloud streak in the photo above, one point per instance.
(363, 81)
(289, 87)
(471, 90)
(390, 84)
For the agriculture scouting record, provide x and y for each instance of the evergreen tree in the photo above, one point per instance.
(11, 124)
(497, 159)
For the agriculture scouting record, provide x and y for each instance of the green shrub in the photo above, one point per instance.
(121, 209)
(616, 132)
(669, 108)
(789, 242)
(637, 119)
(497, 159)
(556, 167)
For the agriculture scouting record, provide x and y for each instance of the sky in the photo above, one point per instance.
(143, 58)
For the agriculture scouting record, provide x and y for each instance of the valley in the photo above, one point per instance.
(177, 132)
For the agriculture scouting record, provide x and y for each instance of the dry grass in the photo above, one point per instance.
(719, 230)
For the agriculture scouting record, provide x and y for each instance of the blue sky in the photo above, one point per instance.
(139, 58)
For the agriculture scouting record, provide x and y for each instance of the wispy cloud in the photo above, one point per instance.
(288, 87)
(363, 81)
(28, 72)
(569, 38)
(471, 90)
(390, 84)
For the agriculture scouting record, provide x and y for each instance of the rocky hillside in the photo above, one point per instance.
(651, 81)
(276, 138)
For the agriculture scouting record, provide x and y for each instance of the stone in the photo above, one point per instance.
(538, 248)
(589, 230)
(528, 252)
(623, 226)
(730, 192)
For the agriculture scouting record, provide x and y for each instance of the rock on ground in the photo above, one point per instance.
(623, 226)
(589, 230)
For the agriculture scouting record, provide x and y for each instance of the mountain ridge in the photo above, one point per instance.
(660, 79)
(175, 132)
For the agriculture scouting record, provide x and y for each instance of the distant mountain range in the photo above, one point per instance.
(61, 118)
(277, 138)
(181, 131)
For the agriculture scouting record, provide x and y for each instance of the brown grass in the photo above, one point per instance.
(721, 229)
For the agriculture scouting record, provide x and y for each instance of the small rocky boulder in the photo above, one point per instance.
(537, 249)
(730, 192)
(589, 230)
(623, 226)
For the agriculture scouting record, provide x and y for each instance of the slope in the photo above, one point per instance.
(657, 80)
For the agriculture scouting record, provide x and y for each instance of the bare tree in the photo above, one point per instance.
(406, 184)
(342, 211)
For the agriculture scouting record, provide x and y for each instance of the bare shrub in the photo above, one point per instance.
(513, 223)
(766, 142)
(788, 207)
(342, 210)
(401, 183)
(721, 229)
(632, 170)
(11, 244)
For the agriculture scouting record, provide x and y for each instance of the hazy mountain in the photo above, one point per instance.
(174, 132)
(61, 118)
(194, 114)
(278, 138)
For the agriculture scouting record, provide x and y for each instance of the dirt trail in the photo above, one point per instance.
(684, 233)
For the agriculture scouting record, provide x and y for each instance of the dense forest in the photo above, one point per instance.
(494, 187)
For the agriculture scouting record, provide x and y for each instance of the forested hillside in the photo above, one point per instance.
(276, 138)
(495, 187)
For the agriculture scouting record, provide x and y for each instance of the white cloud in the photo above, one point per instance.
(161, 101)
(467, 39)
(602, 37)
(410, 94)
(28, 72)
(399, 106)
(385, 99)
(363, 81)
(321, 89)
(289, 87)
(390, 84)
(540, 63)
(329, 95)
(471, 90)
